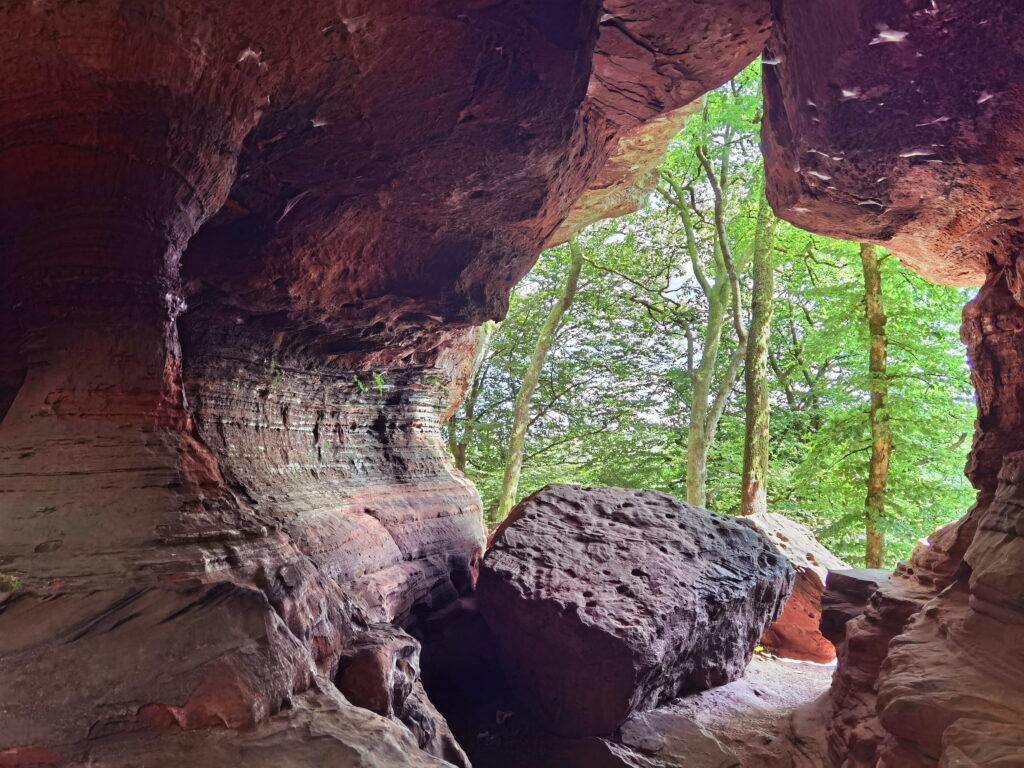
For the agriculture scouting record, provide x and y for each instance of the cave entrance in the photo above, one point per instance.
(704, 347)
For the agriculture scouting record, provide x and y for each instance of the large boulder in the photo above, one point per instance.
(797, 633)
(607, 600)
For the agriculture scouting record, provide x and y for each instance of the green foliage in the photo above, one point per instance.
(436, 380)
(9, 582)
(613, 403)
(819, 319)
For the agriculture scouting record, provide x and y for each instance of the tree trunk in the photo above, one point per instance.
(458, 445)
(755, 444)
(697, 443)
(521, 408)
(705, 411)
(881, 440)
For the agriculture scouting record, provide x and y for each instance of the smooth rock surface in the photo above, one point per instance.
(797, 633)
(607, 600)
(772, 717)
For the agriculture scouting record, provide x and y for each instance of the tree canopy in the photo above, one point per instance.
(642, 384)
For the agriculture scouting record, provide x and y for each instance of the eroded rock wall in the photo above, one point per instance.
(244, 246)
(899, 123)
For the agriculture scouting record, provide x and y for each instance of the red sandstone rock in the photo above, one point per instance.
(863, 610)
(243, 248)
(608, 600)
(797, 634)
(316, 728)
(216, 216)
(629, 175)
(872, 134)
(636, 39)
(380, 672)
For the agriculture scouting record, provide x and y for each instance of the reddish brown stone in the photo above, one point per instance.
(797, 634)
(607, 600)
(872, 135)
(900, 124)
(380, 672)
(29, 757)
(243, 246)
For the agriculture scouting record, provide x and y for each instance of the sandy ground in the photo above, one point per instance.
(771, 718)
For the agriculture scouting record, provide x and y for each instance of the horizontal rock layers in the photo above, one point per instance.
(243, 249)
(606, 600)
(900, 124)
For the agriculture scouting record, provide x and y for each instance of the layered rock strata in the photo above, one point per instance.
(244, 247)
(606, 600)
(863, 610)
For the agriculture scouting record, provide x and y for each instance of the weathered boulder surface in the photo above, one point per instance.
(797, 633)
(770, 717)
(608, 600)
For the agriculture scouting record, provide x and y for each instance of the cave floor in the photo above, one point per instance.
(770, 718)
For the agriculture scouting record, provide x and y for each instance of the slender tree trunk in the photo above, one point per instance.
(881, 439)
(755, 444)
(521, 408)
(458, 444)
(721, 293)
(697, 443)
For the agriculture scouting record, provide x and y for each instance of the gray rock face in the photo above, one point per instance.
(607, 600)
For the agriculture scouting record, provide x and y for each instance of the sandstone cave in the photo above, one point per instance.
(224, 541)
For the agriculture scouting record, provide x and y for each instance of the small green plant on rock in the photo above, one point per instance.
(436, 380)
(9, 582)
(379, 381)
